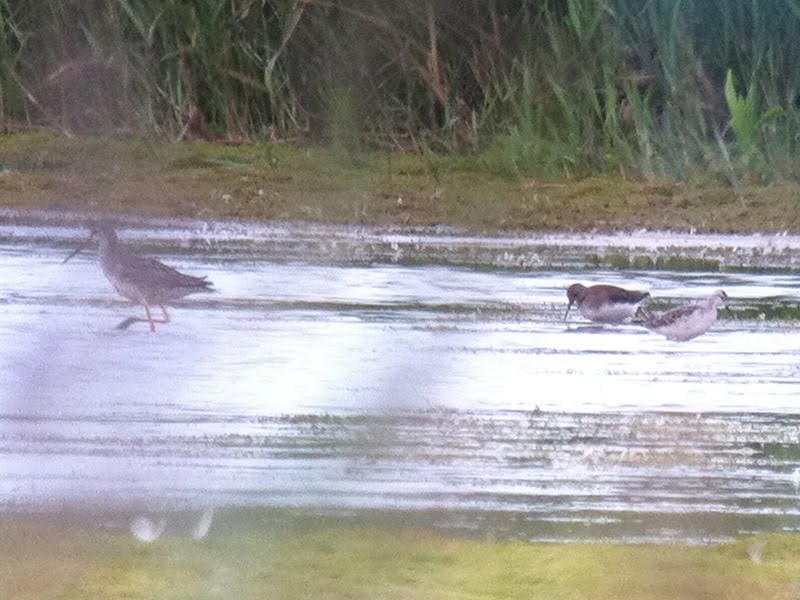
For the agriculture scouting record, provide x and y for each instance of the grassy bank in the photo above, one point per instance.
(320, 558)
(281, 182)
(697, 90)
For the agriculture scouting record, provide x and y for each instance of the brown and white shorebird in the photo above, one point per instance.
(687, 322)
(141, 279)
(605, 303)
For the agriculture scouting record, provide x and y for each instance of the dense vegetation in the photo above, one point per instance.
(689, 89)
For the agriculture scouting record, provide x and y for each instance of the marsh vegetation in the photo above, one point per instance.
(702, 90)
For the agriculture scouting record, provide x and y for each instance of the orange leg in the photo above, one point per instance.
(131, 320)
(150, 319)
(153, 321)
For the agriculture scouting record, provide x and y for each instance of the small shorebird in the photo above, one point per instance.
(687, 322)
(139, 278)
(604, 303)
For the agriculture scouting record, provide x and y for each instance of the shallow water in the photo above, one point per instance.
(359, 381)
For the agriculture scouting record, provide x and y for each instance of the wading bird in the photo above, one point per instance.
(604, 303)
(141, 279)
(687, 322)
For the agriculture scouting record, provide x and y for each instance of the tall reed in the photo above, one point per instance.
(540, 86)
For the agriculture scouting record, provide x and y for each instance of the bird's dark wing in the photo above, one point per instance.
(609, 294)
(616, 294)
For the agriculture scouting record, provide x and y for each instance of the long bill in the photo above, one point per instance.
(566, 314)
(78, 249)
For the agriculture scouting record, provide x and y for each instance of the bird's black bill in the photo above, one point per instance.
(566, 314)
(78, 249)
(73, 253)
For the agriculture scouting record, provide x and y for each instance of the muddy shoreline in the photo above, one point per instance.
(267, 183)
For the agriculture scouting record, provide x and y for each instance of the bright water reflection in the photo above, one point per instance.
(352, 386)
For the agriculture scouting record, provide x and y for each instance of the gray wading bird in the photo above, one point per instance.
(687, 322)
(141, 279)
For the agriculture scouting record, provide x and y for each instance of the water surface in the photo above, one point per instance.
(453, 394)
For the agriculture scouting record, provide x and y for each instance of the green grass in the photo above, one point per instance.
(321, 558)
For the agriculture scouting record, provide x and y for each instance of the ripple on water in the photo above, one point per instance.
(450, 393)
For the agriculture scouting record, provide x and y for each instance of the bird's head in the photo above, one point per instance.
(101, 230)
(575, 294)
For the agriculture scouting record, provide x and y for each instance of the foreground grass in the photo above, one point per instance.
(324, 559)
(274, 182)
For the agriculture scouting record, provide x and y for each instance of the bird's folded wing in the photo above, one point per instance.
(155, 274)
(672, 316)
